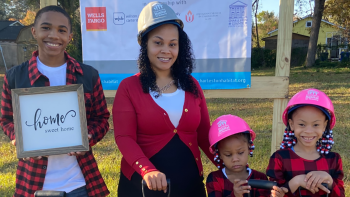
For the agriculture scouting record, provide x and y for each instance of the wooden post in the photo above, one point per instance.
(284, 47)
(44, 3)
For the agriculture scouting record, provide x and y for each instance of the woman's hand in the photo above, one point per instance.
(239, 188)
(156, 181)
(278, 191)
(314, 179)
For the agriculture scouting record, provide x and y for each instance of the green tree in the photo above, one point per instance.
(338, 12)
(17, 9)
(267, 21)
(75, 46)
(3, 10)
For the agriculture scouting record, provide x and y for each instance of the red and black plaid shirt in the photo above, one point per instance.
(30, 175)
(286, 164)
(218, 185)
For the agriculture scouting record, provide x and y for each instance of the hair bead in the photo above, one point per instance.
(323, 145)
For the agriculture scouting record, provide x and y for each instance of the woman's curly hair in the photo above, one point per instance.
(180, 71)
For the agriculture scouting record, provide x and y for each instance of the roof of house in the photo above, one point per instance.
(294, 36)
(309, 16)
(9, 30)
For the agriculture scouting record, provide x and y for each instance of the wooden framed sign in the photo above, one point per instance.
(49, 120)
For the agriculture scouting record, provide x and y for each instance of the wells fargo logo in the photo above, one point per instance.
(96, 19)
(189, 16)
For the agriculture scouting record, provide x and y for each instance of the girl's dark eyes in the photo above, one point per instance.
(241, 153)
(62, 30)
(228, 155)
(301, 125)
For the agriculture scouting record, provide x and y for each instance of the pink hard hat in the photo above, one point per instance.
(312, 97)
(225, 126)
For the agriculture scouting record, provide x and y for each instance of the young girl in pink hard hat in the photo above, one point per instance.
(231, 142)
(305, 160)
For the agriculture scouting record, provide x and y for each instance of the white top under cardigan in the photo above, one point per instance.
(172, 103)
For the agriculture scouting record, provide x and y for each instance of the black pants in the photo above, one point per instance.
(177, 162)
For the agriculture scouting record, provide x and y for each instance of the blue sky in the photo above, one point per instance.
(270, 5)
(274, 5)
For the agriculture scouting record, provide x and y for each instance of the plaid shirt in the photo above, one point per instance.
(218, 185)
(30, 174)
(286, 164)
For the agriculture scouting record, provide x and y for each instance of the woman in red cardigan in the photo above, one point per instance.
(160, 115)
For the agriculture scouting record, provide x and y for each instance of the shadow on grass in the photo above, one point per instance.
(9, 166)
(6, 191)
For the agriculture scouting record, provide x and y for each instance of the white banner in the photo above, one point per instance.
(220, 32)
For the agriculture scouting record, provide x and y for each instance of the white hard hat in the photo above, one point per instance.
(153, 15)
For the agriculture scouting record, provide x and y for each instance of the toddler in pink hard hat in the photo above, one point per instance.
(231, 142)
(305, 160)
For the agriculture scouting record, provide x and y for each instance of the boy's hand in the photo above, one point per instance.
(314, 179)
(35, 158)
(239, 188)
(79, 153)
(278, 191)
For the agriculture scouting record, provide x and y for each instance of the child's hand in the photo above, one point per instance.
(296, 182)
(315, 178)
(278, 191)
(239, 188)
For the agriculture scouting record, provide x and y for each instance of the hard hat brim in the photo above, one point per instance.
(143, 33)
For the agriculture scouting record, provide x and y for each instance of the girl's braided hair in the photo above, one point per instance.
(323, 145)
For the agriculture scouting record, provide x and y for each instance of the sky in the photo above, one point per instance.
(274, 5)
(270, 5)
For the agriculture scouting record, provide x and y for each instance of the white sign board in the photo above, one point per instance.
(50, 120)
(220, 32)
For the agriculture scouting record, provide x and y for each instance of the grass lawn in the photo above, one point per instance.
(334, 82)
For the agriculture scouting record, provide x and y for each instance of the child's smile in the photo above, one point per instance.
(308, 124)
(53, 33)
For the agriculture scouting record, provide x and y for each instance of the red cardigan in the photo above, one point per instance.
(142, 128)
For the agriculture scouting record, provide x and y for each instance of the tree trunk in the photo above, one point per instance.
(315, 28)
(261, 53)
(256, 23)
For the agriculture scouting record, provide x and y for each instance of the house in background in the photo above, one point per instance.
(298, 41)
(26, 44)
(9, 31)
(329, 34)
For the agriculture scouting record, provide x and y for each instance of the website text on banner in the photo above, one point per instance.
(220, 32)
